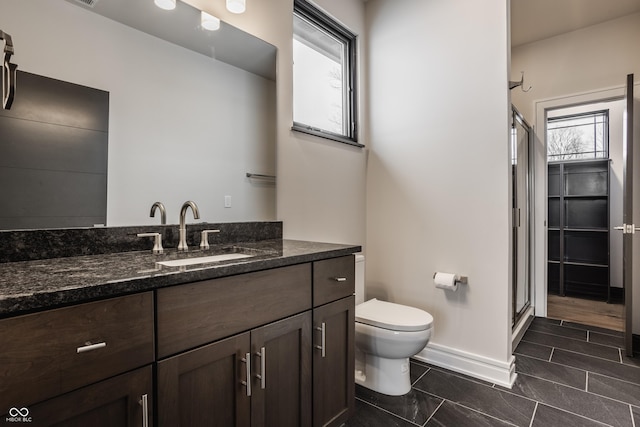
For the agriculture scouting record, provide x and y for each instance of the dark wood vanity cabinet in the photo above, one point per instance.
(266, 348)
(294, 324)
(261, 377)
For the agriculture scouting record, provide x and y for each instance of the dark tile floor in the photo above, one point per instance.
(569, 375)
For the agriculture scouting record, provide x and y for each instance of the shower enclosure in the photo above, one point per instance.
(521, 177)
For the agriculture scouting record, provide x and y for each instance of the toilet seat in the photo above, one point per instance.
(395, 317)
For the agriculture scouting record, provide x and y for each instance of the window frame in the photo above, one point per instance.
(307, 11)
(606, 135)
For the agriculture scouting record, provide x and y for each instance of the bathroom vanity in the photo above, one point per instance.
(114, 339)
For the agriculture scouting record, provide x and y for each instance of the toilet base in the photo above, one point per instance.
(386, 376)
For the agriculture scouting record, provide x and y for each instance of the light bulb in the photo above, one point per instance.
(236, 6)
(165, 4)
(209, 22)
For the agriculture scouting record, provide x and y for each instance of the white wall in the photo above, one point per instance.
(581, 61)
(438, 196)
(321, 184)
(181, 126)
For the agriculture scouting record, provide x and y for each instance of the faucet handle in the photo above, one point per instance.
(157, 241)
(204, 238)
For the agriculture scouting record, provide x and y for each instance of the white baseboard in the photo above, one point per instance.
(484, 368)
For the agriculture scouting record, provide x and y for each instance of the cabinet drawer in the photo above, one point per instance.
(333, 279)
(46, 354)
(195, 314)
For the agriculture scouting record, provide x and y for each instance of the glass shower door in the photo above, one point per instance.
(521, 202)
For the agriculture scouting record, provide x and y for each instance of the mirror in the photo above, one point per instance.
(191, 112)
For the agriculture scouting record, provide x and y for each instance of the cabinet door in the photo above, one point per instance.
(206, 386)
(333, 362)
(282, 373)
(118, 401)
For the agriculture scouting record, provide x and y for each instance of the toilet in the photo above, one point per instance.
(387, 335)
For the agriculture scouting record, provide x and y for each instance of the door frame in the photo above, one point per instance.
(540, 181)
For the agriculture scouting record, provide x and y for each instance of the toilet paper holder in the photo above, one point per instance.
(460, 280)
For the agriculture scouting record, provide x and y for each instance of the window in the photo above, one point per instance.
(324, 69)
(580, 136)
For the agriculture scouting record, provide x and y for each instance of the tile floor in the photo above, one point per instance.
(569, 375)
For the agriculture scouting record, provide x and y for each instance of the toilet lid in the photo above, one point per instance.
(392, 316)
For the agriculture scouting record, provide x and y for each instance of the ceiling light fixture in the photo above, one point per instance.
(209, 22)
(236, 6)
(165, 4)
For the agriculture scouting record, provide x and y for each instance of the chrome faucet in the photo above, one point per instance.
(182, 246)
(8, 79)
(163, 212)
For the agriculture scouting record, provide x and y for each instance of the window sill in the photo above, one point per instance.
(330, 136)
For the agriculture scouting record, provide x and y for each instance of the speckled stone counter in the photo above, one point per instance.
(27, 286)
(29, 245)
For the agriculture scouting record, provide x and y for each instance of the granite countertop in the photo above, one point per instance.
(28, 286)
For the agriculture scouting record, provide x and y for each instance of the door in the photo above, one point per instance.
(333, 362)
(281, 377)
(521, 200)
(628, 228)
(257, 378)
(124, 400)
(208, 386)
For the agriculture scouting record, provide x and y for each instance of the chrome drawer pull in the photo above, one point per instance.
(144, 402)
(247, 360)
(262, 354)
(90, 347)
(340, 279)
(323, 338)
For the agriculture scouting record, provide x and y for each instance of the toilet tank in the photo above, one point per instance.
(359, 279)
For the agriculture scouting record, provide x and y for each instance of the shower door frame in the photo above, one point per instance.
(517, 315)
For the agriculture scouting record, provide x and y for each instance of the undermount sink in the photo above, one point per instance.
(203, 260)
